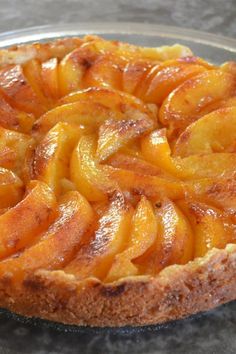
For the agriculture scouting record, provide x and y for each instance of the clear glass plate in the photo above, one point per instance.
(212, 333)
(209, 46)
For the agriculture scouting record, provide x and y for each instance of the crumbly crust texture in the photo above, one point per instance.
(178, 291)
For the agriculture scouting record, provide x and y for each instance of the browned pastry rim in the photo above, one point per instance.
(176, 292)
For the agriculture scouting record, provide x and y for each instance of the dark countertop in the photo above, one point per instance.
(213, 333)
(208, 15)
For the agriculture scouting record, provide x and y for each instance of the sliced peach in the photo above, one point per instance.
(155, 148)
(174, 242)
(211, 228)
(73, 67)
(150, 186)
(215, 132)
(106, 71)
(52, 155)
(142, 236)
(114, 135)
(219, 192)
(32, 71)
(19, 91)
(58, 244)
(210, 165)
(14, 119)
(11, 188)
(134, 73)
(191, 100)
(134, 163)
(90, 178)
(49, 74)
(117, 101)
(22, 223)
(165, 77)
(13, 149)
(130, 51)
(95, 258)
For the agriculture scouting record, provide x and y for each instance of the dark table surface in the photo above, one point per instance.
(212, 333)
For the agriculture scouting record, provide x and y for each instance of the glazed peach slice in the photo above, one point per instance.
(194, 98)
(174, 242)
(149, 185)
(134, 72)
(130, 51)
(155, 149)
(90, 178)
(22, 223)
(142, 236)
(49, 74)
(17, 88)
(11, 188)
(117, 101)
(208, 165)
(52, 155)
(33, 73)
(165, 77)
(14, 119)
(210, 226)
(133, 163)
(95, 258)
(113, 135)
(106, 71)
(215, 132)
(56, 246)
(13, 149)
(73, 67)
(219, 192)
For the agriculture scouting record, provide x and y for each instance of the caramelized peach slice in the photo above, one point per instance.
(219, 192)
(134, 163)
(14, 119)
(95, 259)
(155, 148)
(130, 51)
(11, 188)
(142, 237)
(13, 149)
(211, 228)
(22, 223)
(90, 178)
(134, 73)
(117, 101)
(174, 241)
(105, 72)
(114, 135)
(194, 98)
(19, 91)
(73, 67)
(215, 132)
(52, 155)
(32, 71)
(50, 80)
(58, 244)
(165, 77)
(210, 165)
(150, 186)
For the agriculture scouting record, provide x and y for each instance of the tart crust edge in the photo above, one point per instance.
(176, 292)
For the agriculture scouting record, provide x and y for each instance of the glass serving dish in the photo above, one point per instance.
(213, 332)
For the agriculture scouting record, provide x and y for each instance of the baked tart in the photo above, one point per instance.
(117, 182)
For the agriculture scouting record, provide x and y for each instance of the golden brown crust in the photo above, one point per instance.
(176, 292)
(20, 54)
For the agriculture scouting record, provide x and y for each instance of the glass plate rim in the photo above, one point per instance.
(47, 32)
